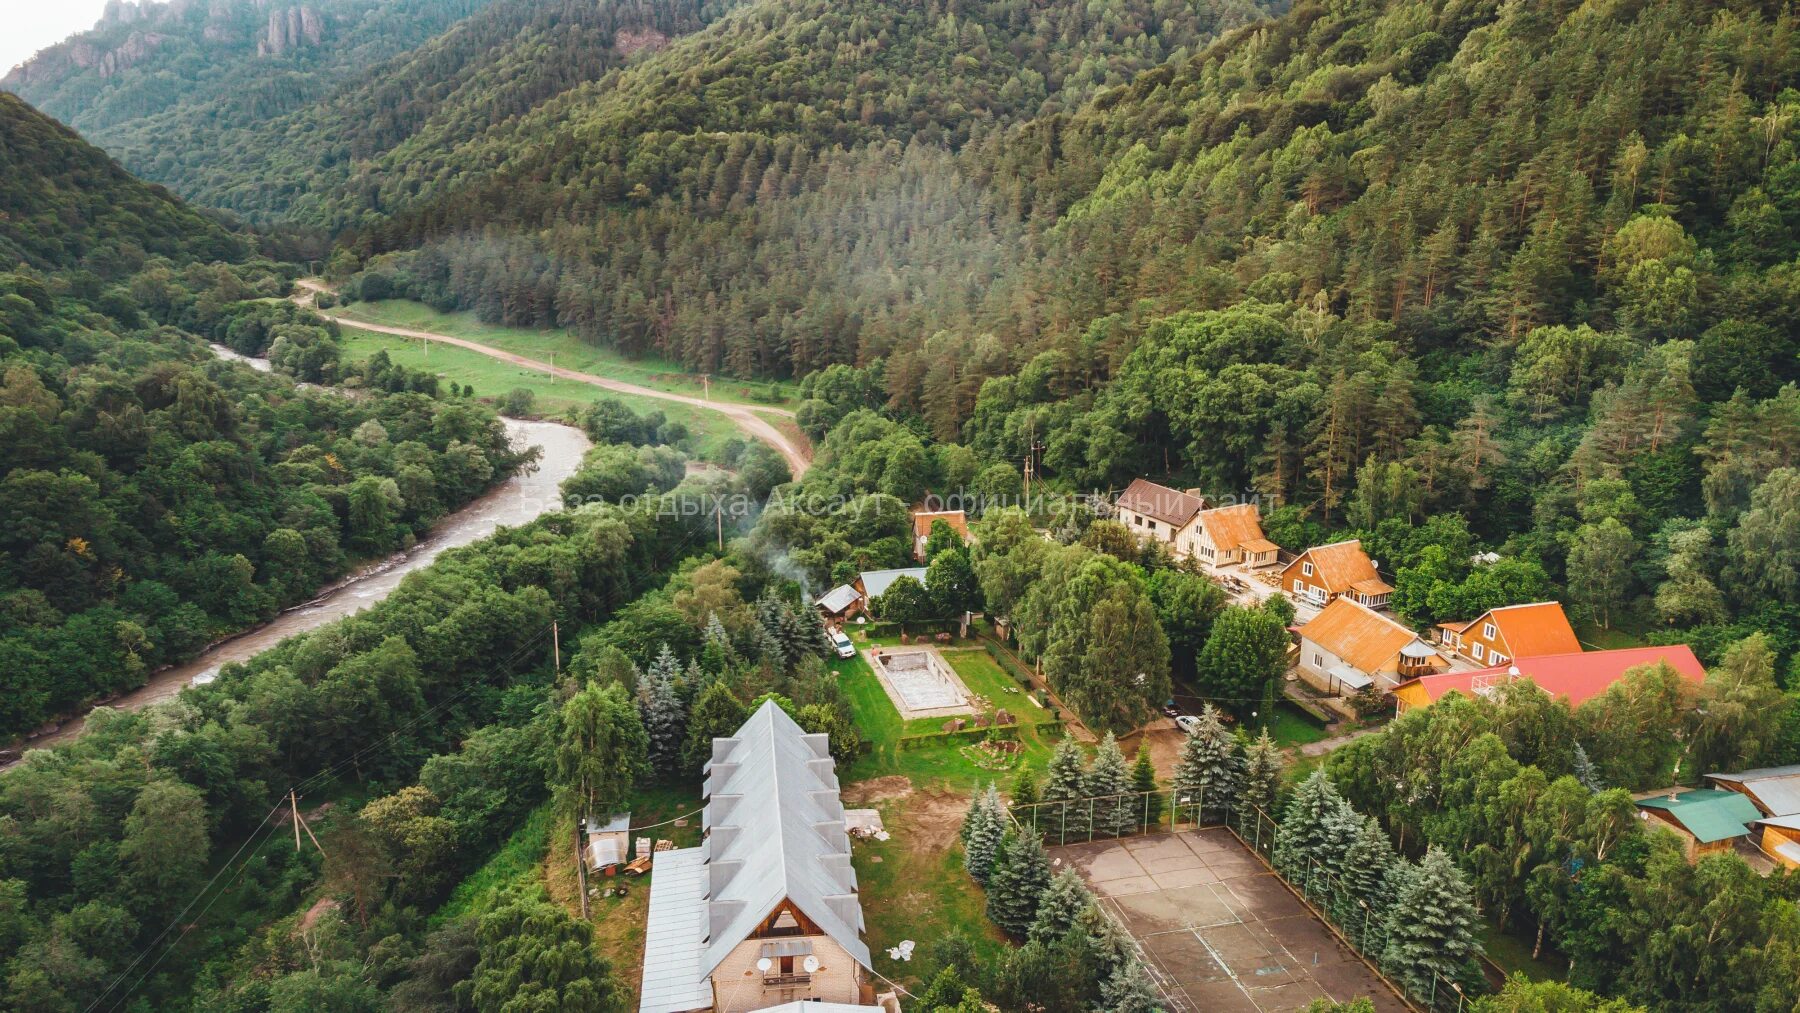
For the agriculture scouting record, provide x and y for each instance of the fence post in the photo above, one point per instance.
(1090, 821)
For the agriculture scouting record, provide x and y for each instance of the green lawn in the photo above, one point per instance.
(914, 887)
(1514, 954)
(1290, 726)
(492, 378)
(948, 766)
(567, 350)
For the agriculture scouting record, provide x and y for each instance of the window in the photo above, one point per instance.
(1299, 588)
(1306, 568)
(1478, 651)
(1497, 658)
(1488, 632)
(1318, 661)
(1151, 525)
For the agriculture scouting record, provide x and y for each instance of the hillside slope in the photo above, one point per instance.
(65, 204)
(158, 84)
(156, 499)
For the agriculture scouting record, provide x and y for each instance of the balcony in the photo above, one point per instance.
(798, 980)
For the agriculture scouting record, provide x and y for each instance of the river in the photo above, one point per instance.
(512, 502)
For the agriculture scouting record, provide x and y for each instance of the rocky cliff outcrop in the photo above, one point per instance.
(289, 29)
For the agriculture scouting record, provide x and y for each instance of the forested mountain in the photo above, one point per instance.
(156, 84)
(88, 210)
(155, 498)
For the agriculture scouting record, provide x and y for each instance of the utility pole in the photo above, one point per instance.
(706, 386)
(556, 645)
(300, 821)
(719, 514)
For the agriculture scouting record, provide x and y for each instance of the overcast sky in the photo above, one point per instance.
(31, 25)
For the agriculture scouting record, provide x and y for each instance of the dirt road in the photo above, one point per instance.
(744, 417)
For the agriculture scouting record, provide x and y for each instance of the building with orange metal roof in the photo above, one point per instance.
(922, 521)
(1230, 534)
(1324, 572)
(1349, 646)
(1514, 631)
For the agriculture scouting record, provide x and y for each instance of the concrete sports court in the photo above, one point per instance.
(1218, 930)
(920, 682)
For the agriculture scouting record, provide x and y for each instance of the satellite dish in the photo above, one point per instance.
(764, 964)
(811, 963)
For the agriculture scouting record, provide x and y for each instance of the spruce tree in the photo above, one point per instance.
(1111, 947)
(1021, 875)
(1063, 901)
(1106, 783)
(1366, 886)
(1431, 928)
(1262, 778)
(985, 827)
(1143, 781)
(972, 815)
(716, 651)
(1585, 771)
(1065, 783)
(1130, 990)
(664, 716)
(1209, 776)
(1025, 787)
(1314, 833)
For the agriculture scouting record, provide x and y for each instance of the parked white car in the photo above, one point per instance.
(842, 644)
(1187, 723)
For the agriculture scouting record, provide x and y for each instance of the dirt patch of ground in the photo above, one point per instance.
(932, 821)
(316, 912)
(877, 789)
(1165, 746)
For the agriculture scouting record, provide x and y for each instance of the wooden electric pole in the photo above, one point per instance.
(300, 821)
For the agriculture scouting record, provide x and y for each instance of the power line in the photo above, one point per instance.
(316, 779)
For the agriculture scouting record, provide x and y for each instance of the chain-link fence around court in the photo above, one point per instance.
(1133, 814)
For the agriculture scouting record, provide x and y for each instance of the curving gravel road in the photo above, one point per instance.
(743, 417)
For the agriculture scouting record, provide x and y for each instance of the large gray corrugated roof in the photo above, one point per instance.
(674, 934)
(1776, 788)
(876, 582)
(838, 598)
(775, 830)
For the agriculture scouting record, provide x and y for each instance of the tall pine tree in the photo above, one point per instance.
(664, 716)
(982, 832)
(1209, 776)
(1065, 783)
(1315, 831)
(1367, 886)
(1062, 903)
(1016, 886)
(1107, 784)
(1262, 777)
(1430, 938)
(1143, 781)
